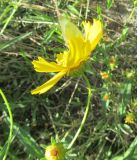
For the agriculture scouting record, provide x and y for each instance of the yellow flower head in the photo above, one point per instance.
(129, 118)
(104, 75)
(55, 152)
(106, 97)
(79, 49)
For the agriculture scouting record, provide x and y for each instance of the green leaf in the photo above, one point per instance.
(130, 154)
(13, 41)
(73, 10)
(28, 141)
(125, 90)
(43, 159)
(109, 3)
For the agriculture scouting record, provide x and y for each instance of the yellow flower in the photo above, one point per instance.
(79, 49)
(55, 152)
(104, 75)
(106, 97)
(129, 118)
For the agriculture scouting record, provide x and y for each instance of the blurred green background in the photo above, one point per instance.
(28, 29)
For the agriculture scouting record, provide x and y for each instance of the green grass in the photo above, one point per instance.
(29, 29)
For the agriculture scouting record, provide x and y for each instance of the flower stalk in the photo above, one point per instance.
(85, 114)
(9, 140)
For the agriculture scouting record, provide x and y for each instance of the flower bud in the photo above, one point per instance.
(104, 75)
(55, 152)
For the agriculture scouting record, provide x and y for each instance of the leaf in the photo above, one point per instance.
(28, 141)
(109, 3)
(73, 10)
(130, 154)
(13, 41)
(125, 90)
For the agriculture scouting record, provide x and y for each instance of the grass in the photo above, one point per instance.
(29, 29)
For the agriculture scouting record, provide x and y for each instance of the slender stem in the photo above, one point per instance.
(56, 8)
(11, 123)
(85, 114)
(131, 15)
(86, 15)
(52, 121)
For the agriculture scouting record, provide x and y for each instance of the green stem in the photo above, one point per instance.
(85, 114)
(86, 15)
(131, 15)
(11, 123)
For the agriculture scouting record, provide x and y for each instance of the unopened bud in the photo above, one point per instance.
(55, 152)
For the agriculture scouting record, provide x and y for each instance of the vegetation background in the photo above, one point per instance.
(28, 29)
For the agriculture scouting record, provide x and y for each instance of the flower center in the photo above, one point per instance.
(54, 152)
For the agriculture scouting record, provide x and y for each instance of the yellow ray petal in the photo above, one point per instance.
(61, 58)
(49, 84)
(74, 40)
(69, 30)
(76, 50)
(93, 32)
(41, 65)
